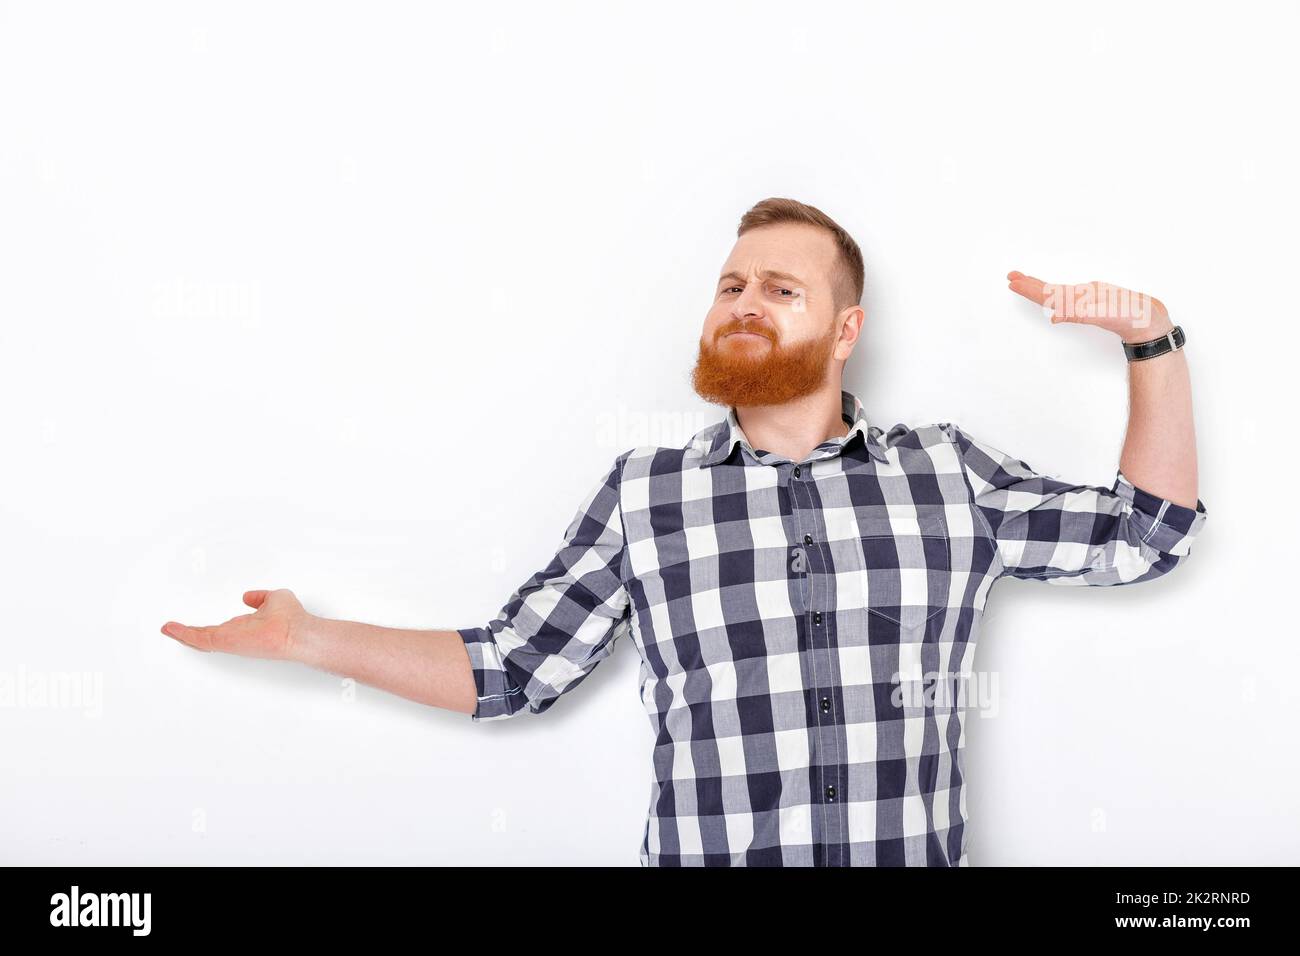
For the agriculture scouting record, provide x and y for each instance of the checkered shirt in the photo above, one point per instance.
(806, 629)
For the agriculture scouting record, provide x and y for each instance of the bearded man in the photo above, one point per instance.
(803, 587)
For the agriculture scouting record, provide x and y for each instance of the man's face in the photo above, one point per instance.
(772, 333)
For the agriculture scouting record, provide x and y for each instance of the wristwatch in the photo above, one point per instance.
(1171, 341)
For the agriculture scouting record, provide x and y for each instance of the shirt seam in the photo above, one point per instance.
(970, 494)
(622, 526)
(1156, 522)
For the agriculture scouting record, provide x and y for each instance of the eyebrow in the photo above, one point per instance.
(764, 274)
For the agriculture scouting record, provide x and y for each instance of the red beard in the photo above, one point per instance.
(746, 372)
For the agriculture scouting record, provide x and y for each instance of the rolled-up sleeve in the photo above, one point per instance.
(562, 621)
(1070, 534)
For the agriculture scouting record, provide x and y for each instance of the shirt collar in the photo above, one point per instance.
(729, 433)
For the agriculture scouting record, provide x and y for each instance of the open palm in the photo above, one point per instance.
(270, 631)
(1134, 316)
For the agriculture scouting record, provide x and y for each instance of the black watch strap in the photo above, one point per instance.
(1171, 341)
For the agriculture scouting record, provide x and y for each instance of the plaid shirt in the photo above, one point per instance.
(787, 614)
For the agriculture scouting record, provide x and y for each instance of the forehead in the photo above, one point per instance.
(795, 248)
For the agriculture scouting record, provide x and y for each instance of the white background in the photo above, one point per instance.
(361, 299)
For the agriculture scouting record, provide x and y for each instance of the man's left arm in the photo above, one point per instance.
(1159, 453)
(1144, 524)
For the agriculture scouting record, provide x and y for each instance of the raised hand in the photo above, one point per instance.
(1133, 316)
(271, 631)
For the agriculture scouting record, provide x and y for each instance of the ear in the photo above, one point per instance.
(849, 322)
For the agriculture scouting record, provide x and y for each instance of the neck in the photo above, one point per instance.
(795, 428)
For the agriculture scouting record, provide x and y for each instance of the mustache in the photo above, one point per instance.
(739, 326)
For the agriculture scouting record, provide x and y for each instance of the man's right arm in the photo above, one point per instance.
(551, 633)
(431, 667)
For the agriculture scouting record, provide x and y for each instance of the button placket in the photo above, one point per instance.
(826, 750)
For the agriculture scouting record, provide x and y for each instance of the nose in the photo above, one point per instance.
(748, 304)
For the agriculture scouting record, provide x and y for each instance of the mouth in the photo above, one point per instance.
(746, 335)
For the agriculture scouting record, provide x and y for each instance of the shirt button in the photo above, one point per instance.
(830, 792)
(826, 705)
(807, 539)
(797, 471)
(817, 617)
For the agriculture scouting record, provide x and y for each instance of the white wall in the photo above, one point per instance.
(360, 301)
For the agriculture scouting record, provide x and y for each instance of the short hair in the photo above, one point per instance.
(848, 278)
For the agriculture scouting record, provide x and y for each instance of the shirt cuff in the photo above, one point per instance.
(1169, 528)
(492, 684)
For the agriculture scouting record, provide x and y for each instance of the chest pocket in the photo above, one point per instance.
(907, 562)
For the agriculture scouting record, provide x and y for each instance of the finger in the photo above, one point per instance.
(255, 598)
(1033, 289)
(178, 633)
(199, 638)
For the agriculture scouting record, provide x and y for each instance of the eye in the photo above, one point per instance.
(786, 290)
(730, 288)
